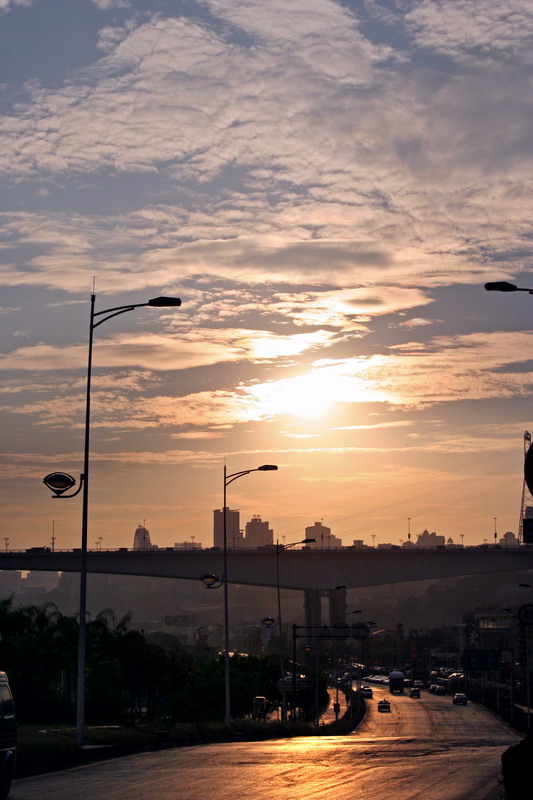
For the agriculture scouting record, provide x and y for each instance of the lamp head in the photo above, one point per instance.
(266, 467)
(501, 286)
(268, 622)
(210, 580)
(59, 482)
(164, 302)
(307, 541)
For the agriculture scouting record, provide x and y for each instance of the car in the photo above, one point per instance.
(459, 699)
(384, 705)
(366, 691)
(432, 688)
(8, 736)
(440, 690)
(414, 692)
(418, 684)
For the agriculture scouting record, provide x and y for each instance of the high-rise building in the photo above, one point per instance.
(233, 531)
(325, 540)
(141, 540)
(257, 533)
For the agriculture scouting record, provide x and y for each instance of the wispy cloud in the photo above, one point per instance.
(326, 186)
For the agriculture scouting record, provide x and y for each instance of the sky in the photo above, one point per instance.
(327, 186)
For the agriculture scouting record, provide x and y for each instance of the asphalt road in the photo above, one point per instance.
(424, 748)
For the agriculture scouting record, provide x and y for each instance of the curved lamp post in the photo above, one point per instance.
(233, 476)
(60, 483)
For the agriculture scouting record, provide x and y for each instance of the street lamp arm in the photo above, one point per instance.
(282, 547)
(234, 475)
(157, 302)
(115, 313)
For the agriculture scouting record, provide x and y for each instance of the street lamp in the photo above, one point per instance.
(279, 549)
(233, 476)
(60, 483)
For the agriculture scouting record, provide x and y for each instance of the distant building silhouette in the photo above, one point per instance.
(233, 531)
(509, 540)
(141, 540)
(325, 540)
(187, 545)
(257, 533)
(427, 539)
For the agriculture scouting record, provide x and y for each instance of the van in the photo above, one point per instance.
(8, 736)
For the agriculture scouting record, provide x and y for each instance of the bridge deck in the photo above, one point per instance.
(299, 569)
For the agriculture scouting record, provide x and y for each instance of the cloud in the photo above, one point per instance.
(106, 5)
(158, 352)
(416, 322)
(495, 29)
(298, 147)
(8, 5)
(415, 375)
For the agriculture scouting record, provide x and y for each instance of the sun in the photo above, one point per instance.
(313, 394)
(303, 396)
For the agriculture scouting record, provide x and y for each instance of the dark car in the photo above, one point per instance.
(383, 705)
(8, 736)
(414, 692)
(459, 699)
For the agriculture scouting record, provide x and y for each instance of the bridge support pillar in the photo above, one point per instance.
(336, 606)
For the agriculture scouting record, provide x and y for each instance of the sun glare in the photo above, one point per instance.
(303, 396)
(312, 395)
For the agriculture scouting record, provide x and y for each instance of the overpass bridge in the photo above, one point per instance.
(315, 572)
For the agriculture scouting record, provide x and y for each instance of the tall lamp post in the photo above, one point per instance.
(60, 483)
(233, 476)
(279, 549)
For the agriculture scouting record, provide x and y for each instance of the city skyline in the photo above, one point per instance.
(326, 186)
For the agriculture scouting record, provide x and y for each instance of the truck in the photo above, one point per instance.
(396, 681)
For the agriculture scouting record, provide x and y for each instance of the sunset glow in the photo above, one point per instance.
(326, 187)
